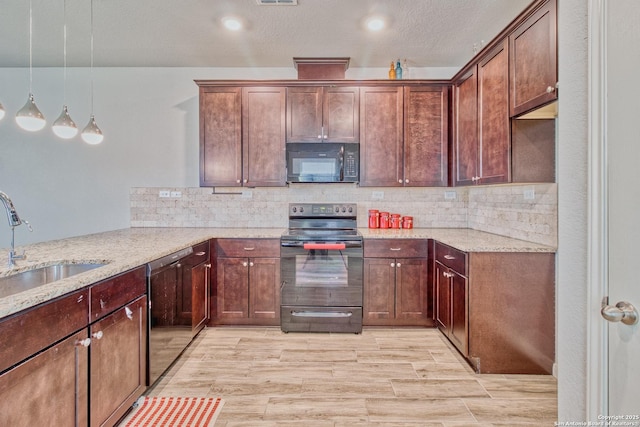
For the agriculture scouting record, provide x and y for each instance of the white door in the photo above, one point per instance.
(622, 139)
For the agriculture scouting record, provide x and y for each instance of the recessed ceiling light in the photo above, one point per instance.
(233, 24)
(375, 24)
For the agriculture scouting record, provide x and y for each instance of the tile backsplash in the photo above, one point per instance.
(527, 212)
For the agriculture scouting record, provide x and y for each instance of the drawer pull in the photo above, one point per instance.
(200, 253)
(249, 249)
(84, 343)
(395, 249)
(128, 313)
(449, 257)
(98, 335)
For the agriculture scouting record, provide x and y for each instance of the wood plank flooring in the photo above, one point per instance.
(382, 377)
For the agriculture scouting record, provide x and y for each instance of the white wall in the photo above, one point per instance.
(571, 287)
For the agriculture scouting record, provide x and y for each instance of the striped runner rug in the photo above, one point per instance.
(174, 411)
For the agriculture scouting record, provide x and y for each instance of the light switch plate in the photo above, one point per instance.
(164, 193)
(377, 195)
(247, 194)
(176, 194)
(450, 195)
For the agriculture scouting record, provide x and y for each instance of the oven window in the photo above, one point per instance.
(322, 268)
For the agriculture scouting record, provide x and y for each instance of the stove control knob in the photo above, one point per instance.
(337, 209)
(294, 209)
(301, 209)
(344, 209)
(350, 209)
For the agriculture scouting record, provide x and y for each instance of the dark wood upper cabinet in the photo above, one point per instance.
(481, 130)
(465, 137)
(533, 60)
(381, 141)
(220, 136)
(494, 140)
(263, 136)
(322, 114)
(426, 136)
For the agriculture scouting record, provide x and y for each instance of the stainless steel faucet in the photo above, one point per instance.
(14, 221)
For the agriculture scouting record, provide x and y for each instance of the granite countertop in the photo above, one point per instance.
(122, 250)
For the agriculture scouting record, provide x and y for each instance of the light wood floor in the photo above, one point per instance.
(382, 377)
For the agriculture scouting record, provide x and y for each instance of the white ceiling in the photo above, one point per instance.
(188, 33)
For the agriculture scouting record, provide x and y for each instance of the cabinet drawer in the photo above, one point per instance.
(451, 257)
(200, 254)
(113, 293)
(32, 330)
(255, 248)
(395, 248)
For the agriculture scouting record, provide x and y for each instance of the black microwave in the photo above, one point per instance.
(323, 162)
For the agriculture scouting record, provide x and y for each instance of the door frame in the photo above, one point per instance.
(597, 330)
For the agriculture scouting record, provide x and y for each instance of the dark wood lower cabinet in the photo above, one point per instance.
(50, 389)
(118, 362)
(396, 290)
(70, 363)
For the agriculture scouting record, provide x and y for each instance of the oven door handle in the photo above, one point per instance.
(328, 246)
(297, 313)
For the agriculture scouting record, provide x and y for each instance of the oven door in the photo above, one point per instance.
(323, 274)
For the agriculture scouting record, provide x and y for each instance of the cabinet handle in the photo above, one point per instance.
(406, 181)
(128, 313)
(393, 264)
(84, 343)
(97, 335)
(550, 89)
(207, 265)
(449, 257)
(251, 264)
(398, 265)
(319, 136)
(245, 181)
(400, 181)
(237, 181)
(395, 249)
(244, 264)
(200, 253)
(248, 249)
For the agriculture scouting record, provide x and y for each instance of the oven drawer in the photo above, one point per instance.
(396, 248)
(320, 319)
(253, 248)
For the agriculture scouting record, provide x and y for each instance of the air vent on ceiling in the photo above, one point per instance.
(277, 2)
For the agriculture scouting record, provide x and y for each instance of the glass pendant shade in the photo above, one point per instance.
(64, 127)
(29, 117)
(2, 112)
(92, 134)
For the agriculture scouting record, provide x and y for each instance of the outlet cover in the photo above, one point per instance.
(176, 194)
(164, 193)
(529, 194)
(247, 194)
(377, 195)
(450, 195)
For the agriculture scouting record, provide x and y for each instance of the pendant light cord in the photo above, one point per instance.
(91, 61)
(30, 47)
(64, 54)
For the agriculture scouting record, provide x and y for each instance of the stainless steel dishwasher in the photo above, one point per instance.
(169, 334)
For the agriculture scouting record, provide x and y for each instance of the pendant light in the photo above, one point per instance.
(92, 134)
(29, 117)
(64, 127)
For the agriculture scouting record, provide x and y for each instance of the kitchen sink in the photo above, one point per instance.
(30, 279)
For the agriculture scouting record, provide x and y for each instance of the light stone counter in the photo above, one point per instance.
(122, 250)
(463, 239)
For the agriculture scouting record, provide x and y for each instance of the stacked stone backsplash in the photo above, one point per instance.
(496, 209)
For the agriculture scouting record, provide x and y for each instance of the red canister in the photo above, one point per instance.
(384, 219)
(407, 222)
(395, 221)
(374, 218)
